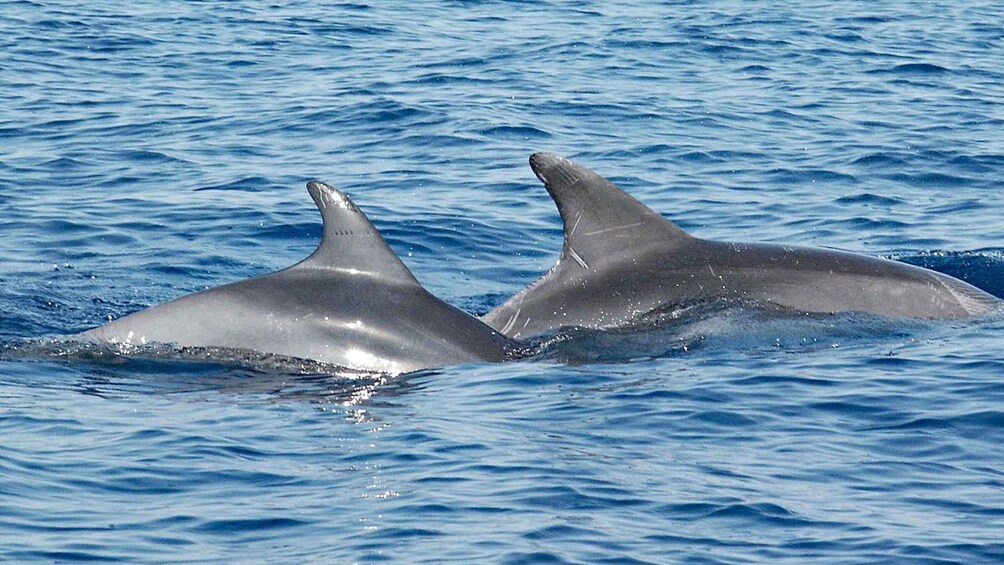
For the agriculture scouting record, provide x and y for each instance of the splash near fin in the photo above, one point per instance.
(350, 241)
(600, 219)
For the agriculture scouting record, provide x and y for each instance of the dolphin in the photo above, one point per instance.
(622, 262)
(352, 303)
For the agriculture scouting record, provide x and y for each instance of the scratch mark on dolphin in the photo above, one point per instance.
(577, 258)
(624, 227)
(512, 321)
(576, 224)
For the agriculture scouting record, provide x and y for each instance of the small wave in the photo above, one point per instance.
(146, 156)
(349, 29)
(795, 176)
(247, 184)
(525, 133)
(846, 37)
(918, 68)
(778, 114)
(656, 44)
(868, 198)
(444, 79)
(880, 159)
(68, 556)
(932, 179)
(242, 526)
(980, 164)
(569, 498)
(700, 157)
(865, 19)
(65, 164)
(724, 50)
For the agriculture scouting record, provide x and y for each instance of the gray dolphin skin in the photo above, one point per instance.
(352, 303)
(621, 260)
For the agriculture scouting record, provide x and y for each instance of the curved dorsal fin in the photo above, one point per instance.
(600, 219)
(350, 241)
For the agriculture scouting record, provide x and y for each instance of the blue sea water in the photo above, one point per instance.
(152, 149)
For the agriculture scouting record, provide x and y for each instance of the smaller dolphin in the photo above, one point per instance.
(352, 303)
(622, 260)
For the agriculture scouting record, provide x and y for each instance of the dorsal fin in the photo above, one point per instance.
(600, 219)
(350, 242)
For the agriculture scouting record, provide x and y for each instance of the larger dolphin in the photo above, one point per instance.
(621, 260)
(352, 303)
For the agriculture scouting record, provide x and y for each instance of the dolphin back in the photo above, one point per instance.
(351, 303)
(621, 260)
